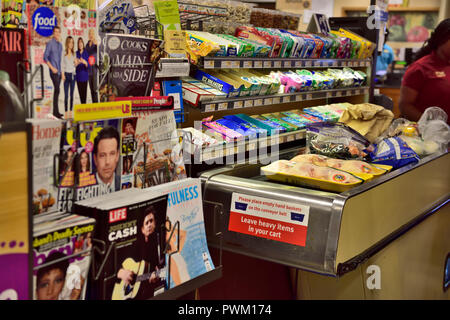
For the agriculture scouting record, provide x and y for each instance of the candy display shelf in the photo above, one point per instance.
(256, 101)
(273, 63)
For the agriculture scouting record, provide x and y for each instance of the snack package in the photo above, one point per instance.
(394, 152)
(336, 140)
(352, 166)
(309, 175)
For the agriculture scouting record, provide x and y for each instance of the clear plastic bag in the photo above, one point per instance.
(433, 127)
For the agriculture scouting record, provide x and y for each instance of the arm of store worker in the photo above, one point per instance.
(409, 93)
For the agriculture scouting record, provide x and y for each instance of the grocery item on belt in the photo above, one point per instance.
(336, 140)
(393, 152)
(352, 166)
(310, 175)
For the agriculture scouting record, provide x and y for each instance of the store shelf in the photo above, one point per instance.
(256, 101)
(274, 63)
(173, 68)
(212, 153)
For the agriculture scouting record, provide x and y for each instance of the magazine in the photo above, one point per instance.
(46, 139)
(159, 158)
(12, 13)
(126, 65)
(61, 257)
(64, 41)
(98, 159)
(66, 167)
(188, 254)
(134, 236)
(12, 51)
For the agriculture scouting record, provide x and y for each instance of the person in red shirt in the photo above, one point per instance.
(426, 82)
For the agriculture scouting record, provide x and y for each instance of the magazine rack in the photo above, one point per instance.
(107, 253)
(27, 82)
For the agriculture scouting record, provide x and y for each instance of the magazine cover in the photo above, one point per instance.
(64, 40)
(136, 230)
(66, 171)
(46, 139)
(159, 158)
(126, 68)
(61, 258)
(98, 158)
(188, 254)
(12, 51)
(12, 13)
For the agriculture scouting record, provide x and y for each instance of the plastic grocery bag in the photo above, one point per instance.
(336, 140)
(433, 128)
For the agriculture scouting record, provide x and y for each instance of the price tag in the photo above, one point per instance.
(317, 63)
(290, 138)
(286, 99)
(248, 103)
(277, 64)
(308, 64)
(209, 64)
(276, 100)
(309, 96)
(329, 95)
(269, 101)
(338, 93)
(248, 64)
(298, 64)
(207, 155)
(334, 64)
(267, 64)
(257, 64)
(287, 64)
(237, 104)
(358, 92)
(361, 63)
(235, 64)
(223, 106)
(298, 136)
(258, 102)
(298, 97)
(210, 107)
(344, 64)
(226, 64)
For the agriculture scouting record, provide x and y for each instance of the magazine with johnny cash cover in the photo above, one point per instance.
(46, 139)
(126, 65)
(64, 40)
(61, 258)
(136, 230)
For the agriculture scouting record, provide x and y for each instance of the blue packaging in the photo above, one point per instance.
(393, 152)
(247, 132)
(174, 88)
(246, 124)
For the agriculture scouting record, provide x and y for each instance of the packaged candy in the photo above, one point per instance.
(263, 124)
(245, 131)
(259, 131)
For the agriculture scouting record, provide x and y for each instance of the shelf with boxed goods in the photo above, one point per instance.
(278, 63)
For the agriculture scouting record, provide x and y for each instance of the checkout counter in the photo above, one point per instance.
(385, 239)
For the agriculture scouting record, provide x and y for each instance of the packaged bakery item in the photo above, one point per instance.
(336, 140)
(394, 152)
(352, 166)
(312, 176)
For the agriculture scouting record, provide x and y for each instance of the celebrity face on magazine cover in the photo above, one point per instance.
(50, 285)
(149, 224)
(106, 159)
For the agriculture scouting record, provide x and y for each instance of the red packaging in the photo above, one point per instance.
(253, 34)
(278, 45)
